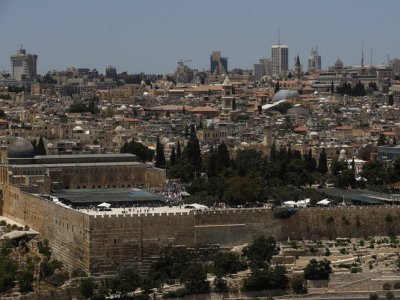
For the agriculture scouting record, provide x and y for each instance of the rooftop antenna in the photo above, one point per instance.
(371, 58)
(362, 55)
(279, 36)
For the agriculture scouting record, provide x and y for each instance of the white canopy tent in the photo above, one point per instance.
(289, 203)
(104, 204)
(324, 202)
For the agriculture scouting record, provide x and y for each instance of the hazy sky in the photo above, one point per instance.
(151, 36)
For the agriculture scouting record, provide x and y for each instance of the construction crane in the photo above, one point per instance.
(181, 62)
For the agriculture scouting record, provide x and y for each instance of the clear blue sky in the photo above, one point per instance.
(151, 36)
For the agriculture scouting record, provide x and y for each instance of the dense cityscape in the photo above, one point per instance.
(279, 180)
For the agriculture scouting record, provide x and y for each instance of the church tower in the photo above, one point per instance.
(298, 68)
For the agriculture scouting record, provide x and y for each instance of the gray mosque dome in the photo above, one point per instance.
(19, 147)
(284, 95)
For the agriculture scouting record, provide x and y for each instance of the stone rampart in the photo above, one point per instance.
(103, 243)
(67, 230)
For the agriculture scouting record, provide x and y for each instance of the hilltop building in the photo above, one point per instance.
(218, 64)
(280, 59)
(23, 66)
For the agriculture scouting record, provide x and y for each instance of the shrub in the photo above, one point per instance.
(396, 286)
(330, 220)
(78, 273)
(318, 270)
(389, 295)
(387, 286)
(87, 287)
(297, 284)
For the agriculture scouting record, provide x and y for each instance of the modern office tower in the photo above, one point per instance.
(314, 62)
(395, 65)
(263, 68)
(23, 66)
(218, 64)
(280, 59)
(111, 72)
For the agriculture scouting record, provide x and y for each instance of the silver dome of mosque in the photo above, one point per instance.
(18, 147)
(284, 94)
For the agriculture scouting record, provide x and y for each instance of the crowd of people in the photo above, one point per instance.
(174, 190)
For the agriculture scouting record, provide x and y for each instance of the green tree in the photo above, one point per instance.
(193, 149)
(310, 163)
(25, 280)
(382, 140)
(266, 278)
(277, 87)
(222, 158)
(389, 295)
(173, 157)
(242, 190)
(227, 263)
(390, 100)
(212, 163)
(141, 151)
(160, 156)
(318, 270)
(40, 149)
(127, 281)
(338, 166)
(195, 279)
(87, 287)
(373, 296)
(260, 251)
(272, 152)
(374, 172)
(297, 284)
(247, 162)
(220, 284)
(322, 163)
(332, 87)
(178, 150)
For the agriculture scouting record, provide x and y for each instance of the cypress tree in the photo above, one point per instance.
(40, 149)
(186, 131)
(212, 164)
(193, 149)
(390, 100)
(310, 162)
(173, 157)
(160, 157)
(223, 160)
(332, 87)
(34, 145)
(322, 163)
(277, 87)
(272, 152)
(289, 154)
(178, 150)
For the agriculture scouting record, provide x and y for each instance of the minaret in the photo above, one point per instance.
(362, 55)
(298, 68)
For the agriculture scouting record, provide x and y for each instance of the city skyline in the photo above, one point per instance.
(152, 37)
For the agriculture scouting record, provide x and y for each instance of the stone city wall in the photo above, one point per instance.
(102, 244)
(67, 230)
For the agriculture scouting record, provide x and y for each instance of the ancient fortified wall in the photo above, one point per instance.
(101, 244)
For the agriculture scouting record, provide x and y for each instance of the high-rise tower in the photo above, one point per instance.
(314, 62)
(23, 66)
(280, 59)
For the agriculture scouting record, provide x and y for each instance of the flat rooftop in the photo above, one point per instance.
(114, 196)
